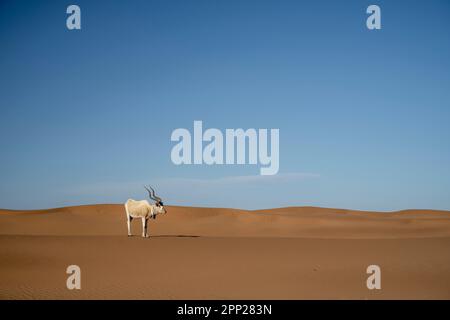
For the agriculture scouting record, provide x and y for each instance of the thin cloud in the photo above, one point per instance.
(121, 188)
(285, 177)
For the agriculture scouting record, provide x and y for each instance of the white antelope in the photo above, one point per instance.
(144, 210)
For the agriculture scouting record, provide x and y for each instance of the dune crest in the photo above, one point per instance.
(290, 222)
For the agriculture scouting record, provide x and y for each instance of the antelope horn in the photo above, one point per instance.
(156, 198)
(149, 193)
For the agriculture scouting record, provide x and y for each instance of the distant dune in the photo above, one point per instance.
(208, 253)
(297, 222)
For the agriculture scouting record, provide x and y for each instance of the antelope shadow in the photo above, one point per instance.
(174, 236)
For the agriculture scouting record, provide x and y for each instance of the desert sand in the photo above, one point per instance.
(211, 253)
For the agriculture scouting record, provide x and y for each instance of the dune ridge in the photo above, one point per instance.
(297, 222)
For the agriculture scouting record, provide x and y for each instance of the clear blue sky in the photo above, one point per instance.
(86, 116)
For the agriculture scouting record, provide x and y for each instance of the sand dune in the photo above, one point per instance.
(205, 253)
(298, 222)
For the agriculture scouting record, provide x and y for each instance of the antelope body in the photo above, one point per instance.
(144, 210)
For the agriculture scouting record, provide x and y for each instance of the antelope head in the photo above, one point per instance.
(159, 205)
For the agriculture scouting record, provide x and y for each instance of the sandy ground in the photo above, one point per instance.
(203, 253)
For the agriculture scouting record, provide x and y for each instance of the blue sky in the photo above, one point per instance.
(86, 115)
